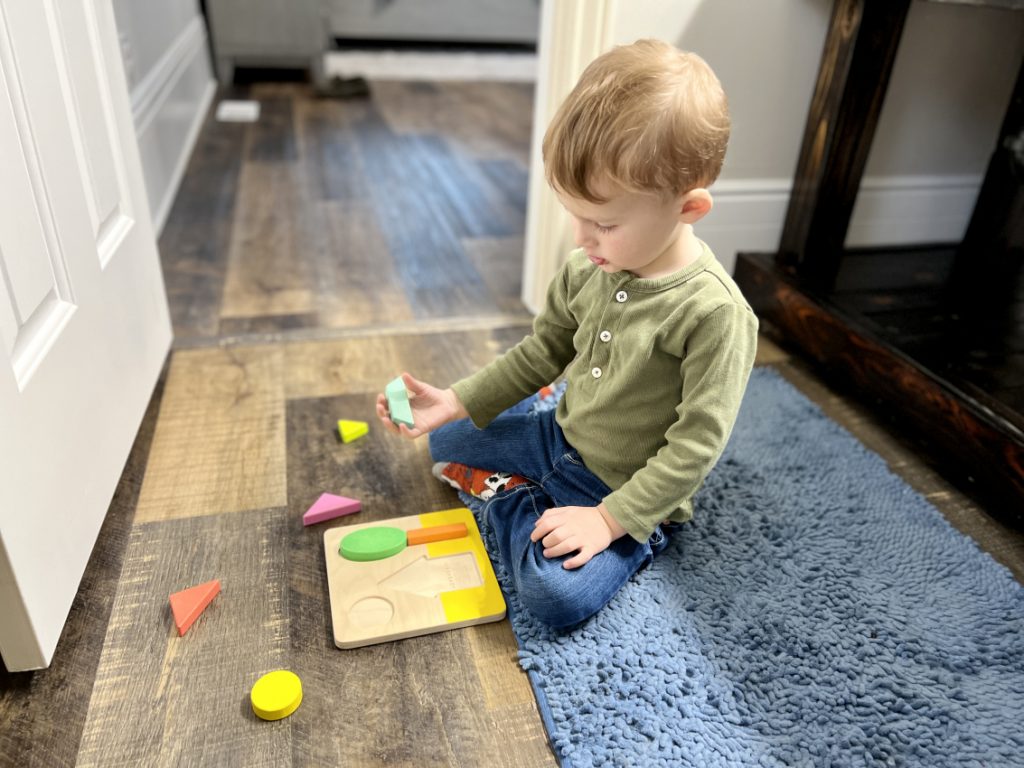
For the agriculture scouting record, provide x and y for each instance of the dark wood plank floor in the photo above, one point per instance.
(332, 214)
(308, 259)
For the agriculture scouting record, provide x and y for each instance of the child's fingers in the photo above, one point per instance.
(414, 386)
(544, 525)
(384, 415)
(550, 520)
(571, 544)
(412, 434)
(582, 558)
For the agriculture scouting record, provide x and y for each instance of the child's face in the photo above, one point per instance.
(633, 231)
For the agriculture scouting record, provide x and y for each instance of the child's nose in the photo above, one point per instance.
(581, 235)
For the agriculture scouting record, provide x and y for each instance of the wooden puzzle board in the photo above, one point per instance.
(422, 589)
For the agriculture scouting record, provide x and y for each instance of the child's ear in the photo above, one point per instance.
(695, 205)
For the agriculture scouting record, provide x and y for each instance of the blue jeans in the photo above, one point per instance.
(532, 445)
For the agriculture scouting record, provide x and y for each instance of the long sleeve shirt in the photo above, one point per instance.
(655, 369)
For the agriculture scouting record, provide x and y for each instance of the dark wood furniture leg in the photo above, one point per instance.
(860, 48)
(989, 259)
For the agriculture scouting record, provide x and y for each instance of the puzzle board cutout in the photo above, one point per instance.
(422, 589)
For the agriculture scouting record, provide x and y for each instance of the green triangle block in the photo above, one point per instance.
(398, 403)
(351, 430)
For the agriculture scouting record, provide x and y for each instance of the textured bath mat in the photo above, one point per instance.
(817, 612)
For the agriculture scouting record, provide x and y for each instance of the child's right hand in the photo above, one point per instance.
(431, 408)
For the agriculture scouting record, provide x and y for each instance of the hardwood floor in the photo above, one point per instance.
(332, 214)
(308, 259)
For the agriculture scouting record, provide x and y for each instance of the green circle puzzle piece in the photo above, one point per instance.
(373, 543)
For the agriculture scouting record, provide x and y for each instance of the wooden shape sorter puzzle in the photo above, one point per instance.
(423, 588)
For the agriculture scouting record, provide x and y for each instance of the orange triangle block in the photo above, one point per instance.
(189, 603)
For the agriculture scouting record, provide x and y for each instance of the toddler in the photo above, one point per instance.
(653, 337)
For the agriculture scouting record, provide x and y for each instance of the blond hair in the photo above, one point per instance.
(646, 117)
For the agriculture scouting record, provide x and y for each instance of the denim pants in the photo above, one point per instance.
(531, 444)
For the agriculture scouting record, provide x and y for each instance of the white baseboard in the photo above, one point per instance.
(169, 105)
(747, 216)
(896, 210)
(903, 210)
(163, 208)
(416, 65)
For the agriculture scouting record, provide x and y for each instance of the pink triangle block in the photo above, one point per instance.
(328, 507)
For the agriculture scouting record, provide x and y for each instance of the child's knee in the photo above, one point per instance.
(558, 597)
(441, 440)
(434, 444)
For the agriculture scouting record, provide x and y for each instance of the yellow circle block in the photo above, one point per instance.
(276, 695)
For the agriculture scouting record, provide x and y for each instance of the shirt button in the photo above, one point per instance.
(621, 296)
(595, 372)
(605, 336)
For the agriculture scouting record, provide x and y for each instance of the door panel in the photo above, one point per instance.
(89, 101)
(36, 283)
(83, 314)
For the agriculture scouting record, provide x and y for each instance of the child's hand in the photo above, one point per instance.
(584, 530)
(431, 407)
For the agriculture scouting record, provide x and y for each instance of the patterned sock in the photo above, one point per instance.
(481, 483)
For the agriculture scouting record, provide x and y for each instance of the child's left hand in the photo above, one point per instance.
(584, 530)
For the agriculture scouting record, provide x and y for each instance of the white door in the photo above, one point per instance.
(84, 325)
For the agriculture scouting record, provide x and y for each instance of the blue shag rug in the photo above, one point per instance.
(817, 612)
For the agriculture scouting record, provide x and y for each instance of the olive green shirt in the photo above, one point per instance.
(656, 369)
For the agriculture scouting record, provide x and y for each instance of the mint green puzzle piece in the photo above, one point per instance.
(398, 403)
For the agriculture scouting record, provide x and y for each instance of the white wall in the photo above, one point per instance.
(950, 87)
(167, 62)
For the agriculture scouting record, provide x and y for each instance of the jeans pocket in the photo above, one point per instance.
(572, 483)
(573, 457)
